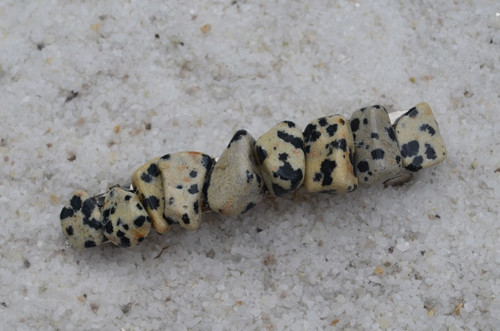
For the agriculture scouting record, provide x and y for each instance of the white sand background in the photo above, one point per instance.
(90, 90)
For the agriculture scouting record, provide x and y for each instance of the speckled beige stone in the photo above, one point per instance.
(281, 158)
(377, 152)
(419, 140)
(81, 221)
(124, 220)
(329, 150)
(148, 181)
(184, 175)
(235, 184)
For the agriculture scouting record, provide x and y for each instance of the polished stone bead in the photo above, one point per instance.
(235, 184)
(419, 140)
(329, 150)
(81, 221)
(377, 151)
(184, 176)
(148, 181)
(281, 158)
(124, 219)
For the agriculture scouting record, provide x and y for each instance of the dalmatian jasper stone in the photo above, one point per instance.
(419, 139)
(125, 221)
(81, 222)
(148, 181)
(377, 151)
(329, 150)
(184, 175)
(281, 158)
(235, 184)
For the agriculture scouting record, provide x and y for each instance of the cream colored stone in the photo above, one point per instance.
(281, 158)
(184, 175)
(329, 150)
(147, 179)
(419, 140)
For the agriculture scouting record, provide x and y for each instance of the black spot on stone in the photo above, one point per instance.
(398, 159)
(89, 244)
(378, 154)
(139, 221)
(108, 227)
(193, 173)
(146, 178)
(376, 107)
(248, 207)
(307, 149)
(196, 207)
(317, 177)
(363, 109)
(416, 164)
(193, 189)
(185, 219)
(410, 149)
(125, 242)
(69, 230)
(365, 121)
(92, 223)
(355, 124)
(430, 152)
(128, 197)
(249, 176)
(207, 162)
(412, 112)
(341, 144)
(289, 123)
(179, 187)
(331, 129)
(139, 206)
(66, 212)
(153, 170)
(327, 167)
(288, 173)
(171, 201)
(374, 135)
(322, 121)
(283, 156)
(112, 210)
(88, 207)
(125, 227)
(76, 203)
(278, 190)
(390, 133)
(165, 157)
(296, 142)
(157, 36)
(261, 154)
(105, 214)
(258, 230)
(428, 128)
(363, 166)
(153, 202)
(311, 134)
(141, 239)
(237, 136)
(169, 220)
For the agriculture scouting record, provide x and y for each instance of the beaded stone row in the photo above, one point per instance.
(333, 154)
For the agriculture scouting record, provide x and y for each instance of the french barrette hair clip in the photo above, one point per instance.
(332, 155)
